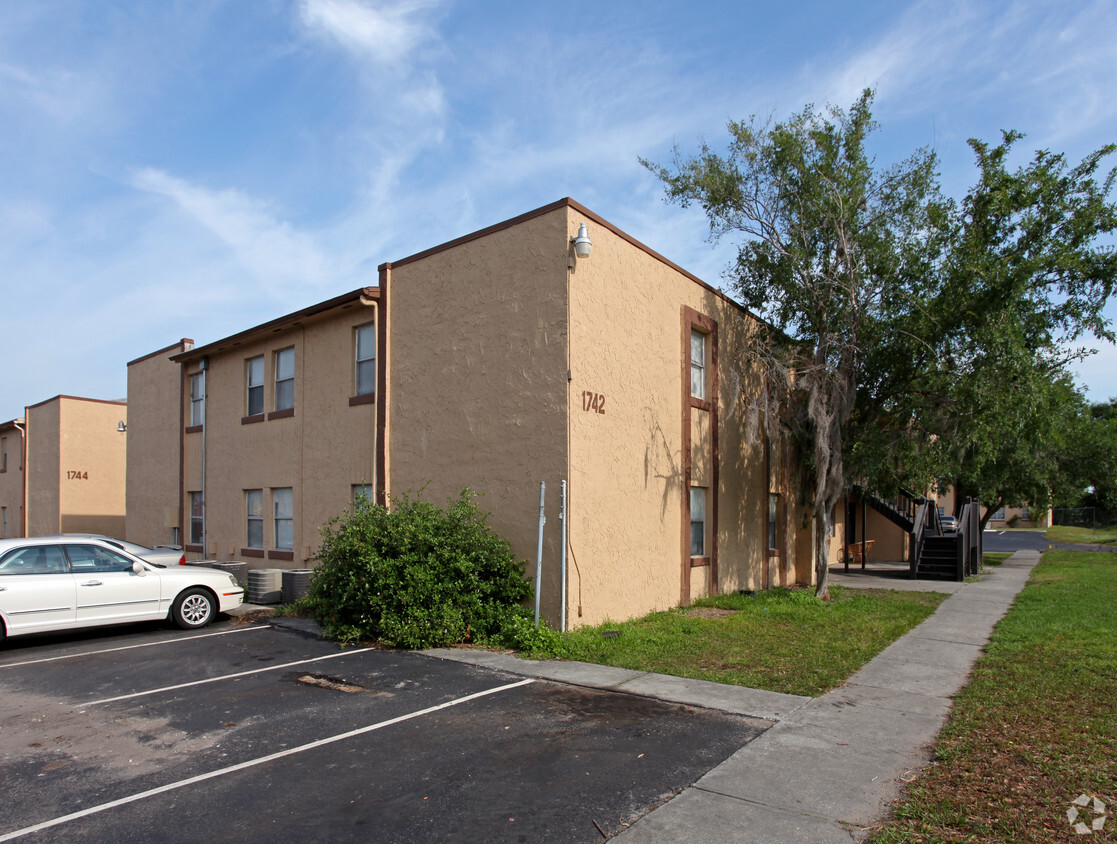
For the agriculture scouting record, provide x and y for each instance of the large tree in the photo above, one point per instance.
(835, 252)
(906, 329)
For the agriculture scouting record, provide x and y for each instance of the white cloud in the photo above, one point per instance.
(384, 33)
(271, 250)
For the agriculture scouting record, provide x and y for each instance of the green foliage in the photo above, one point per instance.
(417, 576)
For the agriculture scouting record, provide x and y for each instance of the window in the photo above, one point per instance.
(197, 399)
(256, 385)
(4, 526)
(697, 521)
(285, 379)
(365, 372)
(1025, 514)
(698, 364)
(3, 454)
(284, 526)
(85, 559)
(197, 519)
(773, 521)
(361, 490)
(254, 517)
(34, 559)
(998, 516)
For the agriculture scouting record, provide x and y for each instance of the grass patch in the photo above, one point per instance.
(782, 640)
(994, 558)
(1082, 536)
(1037, 724)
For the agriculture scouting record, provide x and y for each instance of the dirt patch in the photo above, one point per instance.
(710, 612)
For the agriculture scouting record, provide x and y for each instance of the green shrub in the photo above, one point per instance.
(417, 576)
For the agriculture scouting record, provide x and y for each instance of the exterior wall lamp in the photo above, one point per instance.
(582, 244)
(121, 427)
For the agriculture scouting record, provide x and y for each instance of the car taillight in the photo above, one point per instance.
(182, 560)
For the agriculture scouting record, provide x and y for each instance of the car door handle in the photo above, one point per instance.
(3, 588)
(92, 583)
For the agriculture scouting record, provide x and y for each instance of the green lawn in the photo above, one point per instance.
(1082, 536)
(782, 640)
(1037, 724)
(994, 558)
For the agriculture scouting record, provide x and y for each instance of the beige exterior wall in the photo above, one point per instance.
(76, 466)
(477, 374)
(11, 480)
(154, 458)
(319, 452)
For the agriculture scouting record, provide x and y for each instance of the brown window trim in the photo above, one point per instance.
(194, 429)
(286, 413)
(252, 552)
(281, 555)
(249, 420)
(364, 398)
(196, 548)
(697, 562)
(701, 404)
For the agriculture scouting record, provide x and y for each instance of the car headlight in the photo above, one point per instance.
(232, 579)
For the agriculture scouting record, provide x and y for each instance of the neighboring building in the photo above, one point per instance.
(155, 405)
(498, 361)
(62, 468)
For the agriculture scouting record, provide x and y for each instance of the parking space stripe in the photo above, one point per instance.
(223, 677)
(251, 763)
(173, 641)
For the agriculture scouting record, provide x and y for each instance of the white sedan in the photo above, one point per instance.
(60, 583)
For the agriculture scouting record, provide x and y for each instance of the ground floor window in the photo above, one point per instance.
(197, 519)
(773, 521)
(254, 517)
(284, 522)
(362, 490)
(697, 521)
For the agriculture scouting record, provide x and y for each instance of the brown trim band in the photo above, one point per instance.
(252, 552)
(699, 562)
(382, 387)
(691, 320)
(364, 398)
(281, 555)
(286, 413)
(193, 429)
(195, 549)
(250, 420)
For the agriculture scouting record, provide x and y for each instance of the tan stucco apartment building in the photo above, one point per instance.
(62, 468)
(496, 361)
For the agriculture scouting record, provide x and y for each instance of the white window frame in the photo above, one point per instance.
(364, 364)
(254, 518)
(254, 379)
(698, 500)
(197, 399)
(283, 516)
(698, 364)
(197, 519)
(285, 378)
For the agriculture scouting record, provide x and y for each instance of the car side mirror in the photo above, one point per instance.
(139, 568)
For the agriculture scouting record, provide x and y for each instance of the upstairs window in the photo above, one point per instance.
(255, 385)
(3, 454)
(197, 399)
(698, 364)
(285, 379)
(365, 366)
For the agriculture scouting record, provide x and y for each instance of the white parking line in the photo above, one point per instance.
(130, 647)
(223, 677)
(254, 762)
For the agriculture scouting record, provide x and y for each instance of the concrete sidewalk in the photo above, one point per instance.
(830, 765)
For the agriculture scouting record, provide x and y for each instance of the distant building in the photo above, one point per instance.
(495, 361)
(62, 468)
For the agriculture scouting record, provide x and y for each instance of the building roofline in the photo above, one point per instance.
(12, 423)
(77, 398)
(567, 202)
(185, 341)
(362, 294)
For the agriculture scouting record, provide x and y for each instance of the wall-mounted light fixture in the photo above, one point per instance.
(121, 427)
(582, 244)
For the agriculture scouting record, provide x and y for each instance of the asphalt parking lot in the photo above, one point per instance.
(248, 731)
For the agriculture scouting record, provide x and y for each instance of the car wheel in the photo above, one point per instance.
(193, 608)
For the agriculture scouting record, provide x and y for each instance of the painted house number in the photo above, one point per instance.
(593, 402)
(77, 476)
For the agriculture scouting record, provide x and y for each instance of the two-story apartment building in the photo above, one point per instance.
(62, 468)
(551, 347)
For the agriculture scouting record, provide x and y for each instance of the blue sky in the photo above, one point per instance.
(189, 169)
